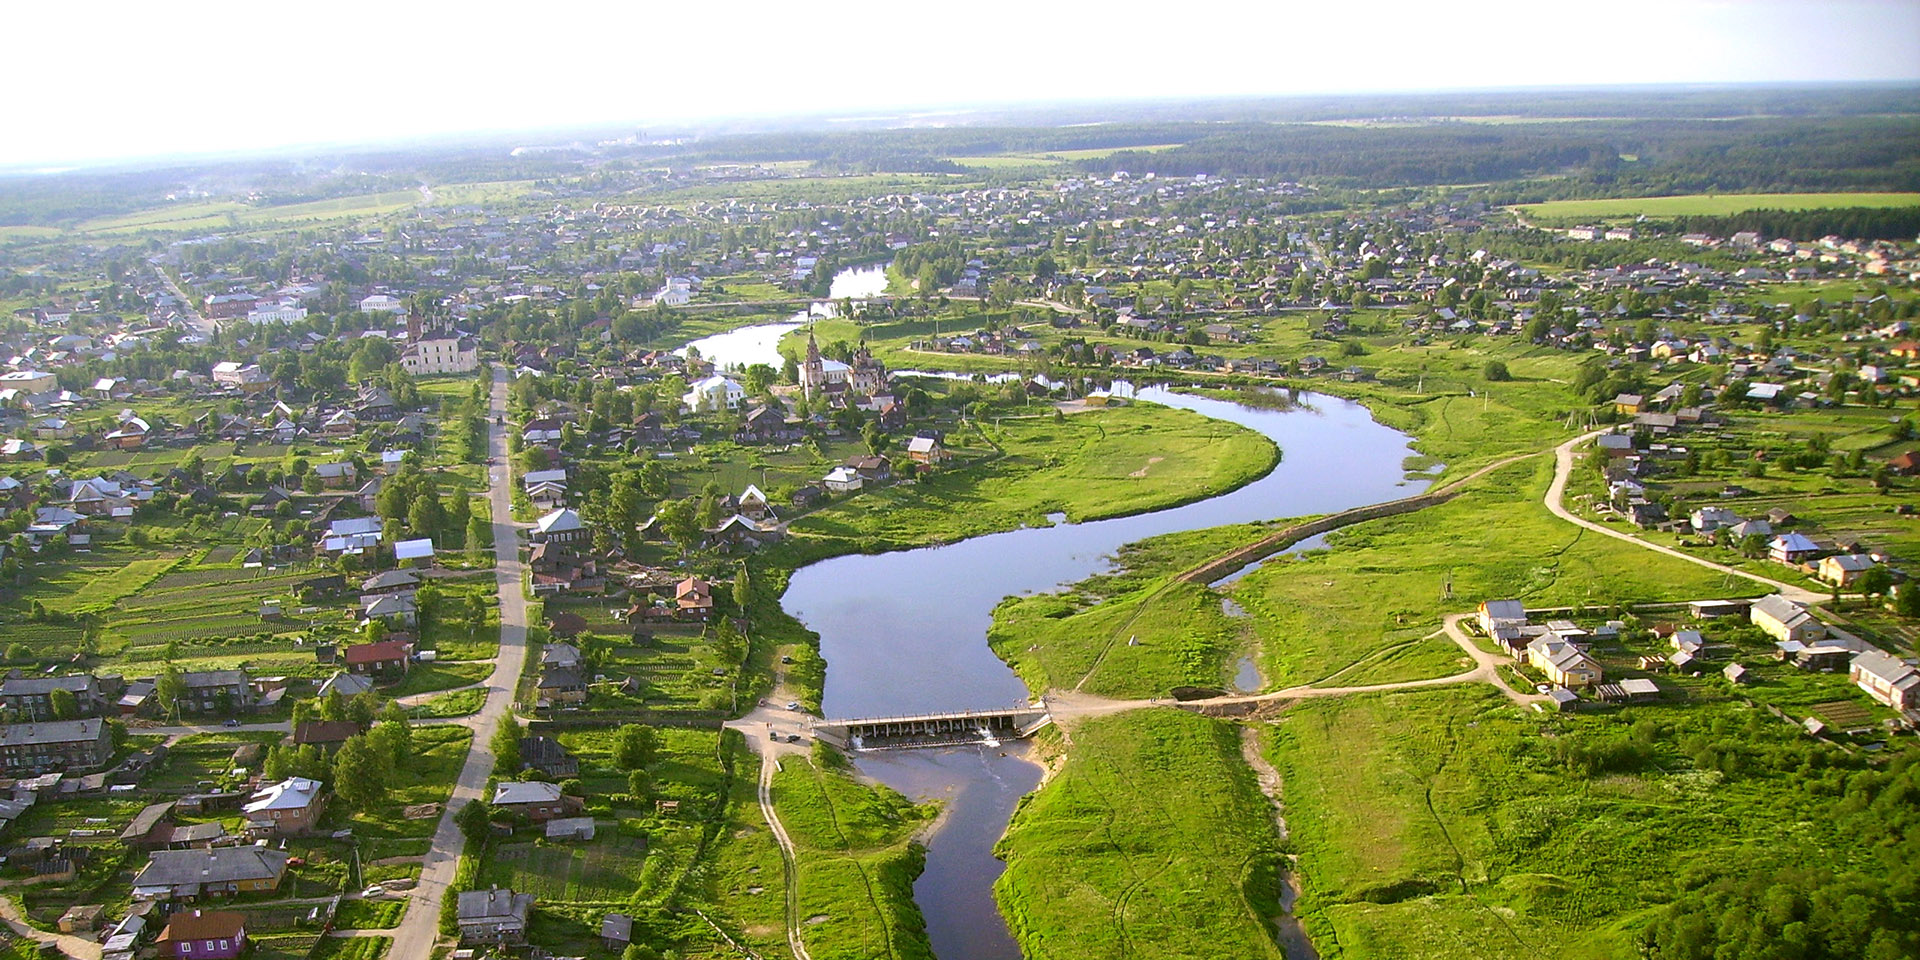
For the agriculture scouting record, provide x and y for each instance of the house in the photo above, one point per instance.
(1825, 657)
(926, 450)
(1709, 519)
(1493, 613)
(1886, 678)
(325, 734)
(562, 685)
(151, 827)
(1785, 620)
(245, 377)
(570, 828)
(204, 935)
(1629, 403)
(387, 658)
(337, 476)
(560, 526)
(1840, 570)
(27, 749)
(715, 393)
(1563, 662)
(872, 469)
(395, 609)
(438, 355)
(737, 530)
(493, 915)
(211, 872)
(1791, 548)
(754, 505)
(345, 684)
(842, 480)
(288, 808)
(541, 430)
(1615, 445)
(546, 755)
(533, 799)
(390, 582)
(351, 537)
(225, 691)
(1737, 674)
(31, 698)
(129, 433)
(693, 599)
(416, 553)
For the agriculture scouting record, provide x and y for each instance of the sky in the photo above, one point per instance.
(120, 80)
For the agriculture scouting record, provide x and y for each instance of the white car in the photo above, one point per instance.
(372, 892)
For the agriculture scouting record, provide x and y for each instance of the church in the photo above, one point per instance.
(823, 377)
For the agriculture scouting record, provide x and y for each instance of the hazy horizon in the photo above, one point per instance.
(225, 78)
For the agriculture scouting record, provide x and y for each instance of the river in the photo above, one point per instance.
(760, 343)
(906, 632)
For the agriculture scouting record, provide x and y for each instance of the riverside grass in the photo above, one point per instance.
(1361, 611)
(1125, 460)
(1152, 840)
(857, 856)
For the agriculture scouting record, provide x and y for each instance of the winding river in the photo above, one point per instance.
(905, 632)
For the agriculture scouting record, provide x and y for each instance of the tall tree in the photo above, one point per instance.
(359, 773)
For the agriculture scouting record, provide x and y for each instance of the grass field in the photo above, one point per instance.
(856, 860)
(1051, 157)
(1119, 461)
(1711, 204)
(439, 752)
(1448, 824)
(598, 871)
(1151, 841)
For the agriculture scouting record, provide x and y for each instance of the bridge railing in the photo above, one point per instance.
(918, 717)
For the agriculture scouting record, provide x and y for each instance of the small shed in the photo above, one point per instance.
(570, 828)
(616, 931)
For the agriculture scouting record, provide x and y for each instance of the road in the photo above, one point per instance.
(1070, 705)
(68, 945)
(415, 936)
(767, 729)
(201, 325)
(1556, 495)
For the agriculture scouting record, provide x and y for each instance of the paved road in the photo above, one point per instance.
(195, 319)
(414, 938)
(1556, 493)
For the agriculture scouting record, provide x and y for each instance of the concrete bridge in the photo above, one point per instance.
(934, 729)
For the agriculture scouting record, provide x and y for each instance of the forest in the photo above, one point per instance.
(1591, 158)
(1861, 223)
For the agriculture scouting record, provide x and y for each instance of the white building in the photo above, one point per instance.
(238, 376)
(441, 355)
(381, 303)
(29, 381)
(284, 312)
(715, 393)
